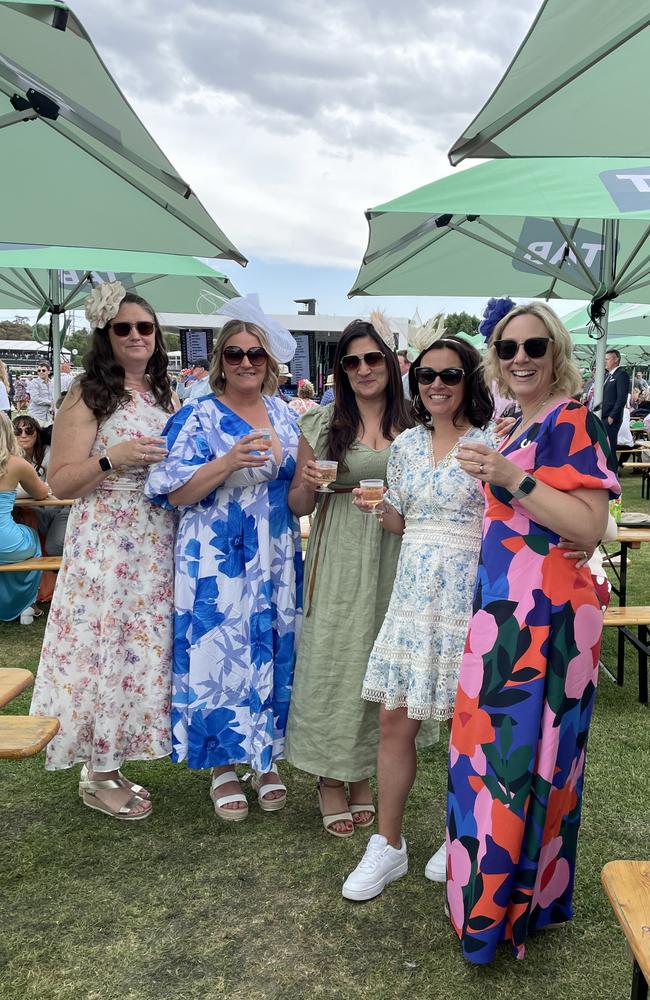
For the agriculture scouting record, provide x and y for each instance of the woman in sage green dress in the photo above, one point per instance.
(349, 573)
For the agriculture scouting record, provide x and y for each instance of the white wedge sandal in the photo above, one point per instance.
(221, 801)
(268, 805)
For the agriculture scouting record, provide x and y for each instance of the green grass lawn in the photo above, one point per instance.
(185, 906)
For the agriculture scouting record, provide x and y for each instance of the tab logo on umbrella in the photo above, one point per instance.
(70, 278)
(629, 187)
(540, 241)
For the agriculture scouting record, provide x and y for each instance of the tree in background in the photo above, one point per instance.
(461, 322)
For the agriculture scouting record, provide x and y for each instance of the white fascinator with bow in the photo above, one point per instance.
(247, 309)
(422, 335)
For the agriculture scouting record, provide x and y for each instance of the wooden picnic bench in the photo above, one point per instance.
(21, 735)
(41, 563)
(627, 884)
(644, 468)
(639, 618)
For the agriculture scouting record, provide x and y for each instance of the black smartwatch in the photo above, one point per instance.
(525, 488)
(105, 463)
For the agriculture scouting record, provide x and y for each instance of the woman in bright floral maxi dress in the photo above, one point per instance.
(528, 677)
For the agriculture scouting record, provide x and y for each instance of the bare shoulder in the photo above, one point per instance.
(74, 410)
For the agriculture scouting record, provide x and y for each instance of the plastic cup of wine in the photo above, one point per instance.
(372, 493)
(264, 438)
(328, 471)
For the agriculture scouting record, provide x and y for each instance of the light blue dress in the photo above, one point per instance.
(416, 657)
(17, 542)
(238, 591)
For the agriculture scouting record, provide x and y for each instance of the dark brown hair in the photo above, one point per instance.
(477, 405)
(346, 419)
(102, 384)
(38, 453)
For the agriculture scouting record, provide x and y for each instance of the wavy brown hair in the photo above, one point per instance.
(33, 426)
(346, 419)
(477, 405)
(102, 383)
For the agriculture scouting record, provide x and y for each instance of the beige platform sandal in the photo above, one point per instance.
(357, 809)
(330, 818)
(268, 805)
(88, 791)
(220, 801)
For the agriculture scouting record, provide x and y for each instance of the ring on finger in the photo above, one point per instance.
(481, 468)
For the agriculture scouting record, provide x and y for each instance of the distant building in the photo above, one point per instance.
(25, 355)
(317, 337)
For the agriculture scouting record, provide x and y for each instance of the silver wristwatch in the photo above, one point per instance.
(525, 488)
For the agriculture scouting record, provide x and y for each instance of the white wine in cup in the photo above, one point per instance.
(327, 472)
(263, 444)
(372, 493)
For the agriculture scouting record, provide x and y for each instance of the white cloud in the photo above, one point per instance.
(289, 121)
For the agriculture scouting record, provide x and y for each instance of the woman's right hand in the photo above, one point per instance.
(137, 451)
(366, 508)
(311, 476)
(241, 455)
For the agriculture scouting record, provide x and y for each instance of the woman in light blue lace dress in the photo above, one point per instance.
(238, 571)
(438, 510)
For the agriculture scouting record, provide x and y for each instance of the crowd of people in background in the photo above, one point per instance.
(460, 595)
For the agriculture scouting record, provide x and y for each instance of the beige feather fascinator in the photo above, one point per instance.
(380, 322)
(422, 335)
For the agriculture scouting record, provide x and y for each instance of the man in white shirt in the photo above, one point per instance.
(67, 377)
(40, 396)
(201, 386)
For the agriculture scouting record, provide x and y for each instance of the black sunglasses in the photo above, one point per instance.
(235, 355)
(535, 347)
(448, 376)
(144, 327)
(351, 362)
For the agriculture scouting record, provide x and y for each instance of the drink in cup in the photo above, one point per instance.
(372, 492)
(327, 471)
(263, 434)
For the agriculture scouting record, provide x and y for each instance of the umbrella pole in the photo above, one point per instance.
(601, 343)
(55, 301)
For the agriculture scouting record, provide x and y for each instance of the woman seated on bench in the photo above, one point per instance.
(17, 542)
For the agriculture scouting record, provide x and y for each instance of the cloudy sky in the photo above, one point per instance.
(289, 119)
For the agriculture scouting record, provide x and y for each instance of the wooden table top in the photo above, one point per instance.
(627, 883)
(632, 534)
(25, 735)
(13, 680)
(50, 502)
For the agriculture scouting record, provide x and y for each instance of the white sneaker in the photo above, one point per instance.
(380, 865)
(436, 869)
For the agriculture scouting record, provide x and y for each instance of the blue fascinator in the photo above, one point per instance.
(495, 310)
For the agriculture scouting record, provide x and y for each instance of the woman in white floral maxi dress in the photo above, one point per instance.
(105, 668)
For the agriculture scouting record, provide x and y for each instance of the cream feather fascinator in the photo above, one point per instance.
(422, 335)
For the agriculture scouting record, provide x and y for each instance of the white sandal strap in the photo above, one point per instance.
(264, 789)
(223, 779)
(224, 800)
(356, 808)
(336, 818)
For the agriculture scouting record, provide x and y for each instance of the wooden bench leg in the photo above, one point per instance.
(639, 985)
(643, 665)
(620, 662)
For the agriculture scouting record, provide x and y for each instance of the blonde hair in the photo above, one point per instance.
(233, 326)
(567, 380)
(8, 443)
(306, 390)
(4, 375)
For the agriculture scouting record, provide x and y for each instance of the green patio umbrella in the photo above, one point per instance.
(577, 86)
(624, 320)
(542, 228)
(58, 279)
(78, 166)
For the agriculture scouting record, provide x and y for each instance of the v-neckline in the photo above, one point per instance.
(276, 462)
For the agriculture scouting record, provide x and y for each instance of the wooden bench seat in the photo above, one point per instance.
(43, 563)
(25, 735)
(627, 884)
(633, 617)
(13, 681)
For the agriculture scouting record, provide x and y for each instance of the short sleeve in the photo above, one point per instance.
(188, 450)
(395, 474)
(574, 451)
(314, 426)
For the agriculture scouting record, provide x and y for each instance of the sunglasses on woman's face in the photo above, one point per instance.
(20, 431)
(144, 327)
(448, 376)
(235, 355)
(535, 347)
(351, 362)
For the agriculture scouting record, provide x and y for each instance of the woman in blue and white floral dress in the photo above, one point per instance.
(414, 664)
(238, 571)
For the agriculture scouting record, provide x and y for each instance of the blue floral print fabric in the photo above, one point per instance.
(238, 591)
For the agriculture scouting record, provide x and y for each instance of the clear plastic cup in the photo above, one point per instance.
(328, 471)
